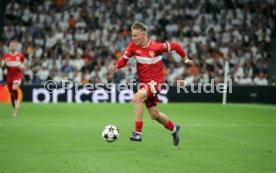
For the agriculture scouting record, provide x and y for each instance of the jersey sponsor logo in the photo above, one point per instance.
(145, 60)
(17, 58)
(13, 63)
(138, 51)
(151, 53)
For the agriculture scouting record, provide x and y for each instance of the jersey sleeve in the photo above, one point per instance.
(163, 47)
(4, 57)
(129, 51)
(127, 55)
(166, 47)
(22, 58)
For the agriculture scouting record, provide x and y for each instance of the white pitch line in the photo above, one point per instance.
(230, 125)
(257, 106)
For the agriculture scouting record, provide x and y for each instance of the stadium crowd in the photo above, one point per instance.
(80, 39)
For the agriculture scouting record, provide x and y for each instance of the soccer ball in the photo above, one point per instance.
(110, 133)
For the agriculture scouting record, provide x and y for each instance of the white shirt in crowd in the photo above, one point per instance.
(260, 81)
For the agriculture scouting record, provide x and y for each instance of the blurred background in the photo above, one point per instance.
(79, 40)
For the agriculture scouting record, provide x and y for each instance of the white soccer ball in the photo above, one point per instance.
(110, 133)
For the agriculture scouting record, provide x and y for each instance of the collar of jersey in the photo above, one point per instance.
(147, 44)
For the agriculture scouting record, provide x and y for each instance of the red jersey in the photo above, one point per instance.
(149, 59)
(12, 63)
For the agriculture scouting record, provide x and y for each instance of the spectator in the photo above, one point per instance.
(83, 34)
(42, 74)
(260, 79)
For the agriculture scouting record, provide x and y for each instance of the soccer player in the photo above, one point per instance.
(14, 62)
(148, 54)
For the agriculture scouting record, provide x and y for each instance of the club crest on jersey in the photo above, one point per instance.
(151, 53)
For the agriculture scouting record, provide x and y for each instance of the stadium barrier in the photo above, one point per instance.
(238, 94)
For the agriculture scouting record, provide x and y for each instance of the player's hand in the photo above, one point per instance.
(114, 67)
(3, 63)
(21, 66)
(190, 62)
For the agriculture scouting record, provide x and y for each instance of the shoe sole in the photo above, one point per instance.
(177, 137)
(135, 140)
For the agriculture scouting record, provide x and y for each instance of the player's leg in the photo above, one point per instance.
(15, 87)
(158, 116)
(138, 100)
(10, 83)
(163, 119)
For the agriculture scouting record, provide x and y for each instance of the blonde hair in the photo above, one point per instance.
(140, 26)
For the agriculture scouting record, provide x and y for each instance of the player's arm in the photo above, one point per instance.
(3, 62)
(121, 63)
(123, 60)
(175, 46)
(21, 66)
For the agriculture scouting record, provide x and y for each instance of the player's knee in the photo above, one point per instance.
(154, 115)
(15, 87)
(137, 98)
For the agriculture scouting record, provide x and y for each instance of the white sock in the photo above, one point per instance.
(16, 104)
(174, 129)
(138, 132)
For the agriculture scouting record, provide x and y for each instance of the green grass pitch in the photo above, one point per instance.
(65, 138)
